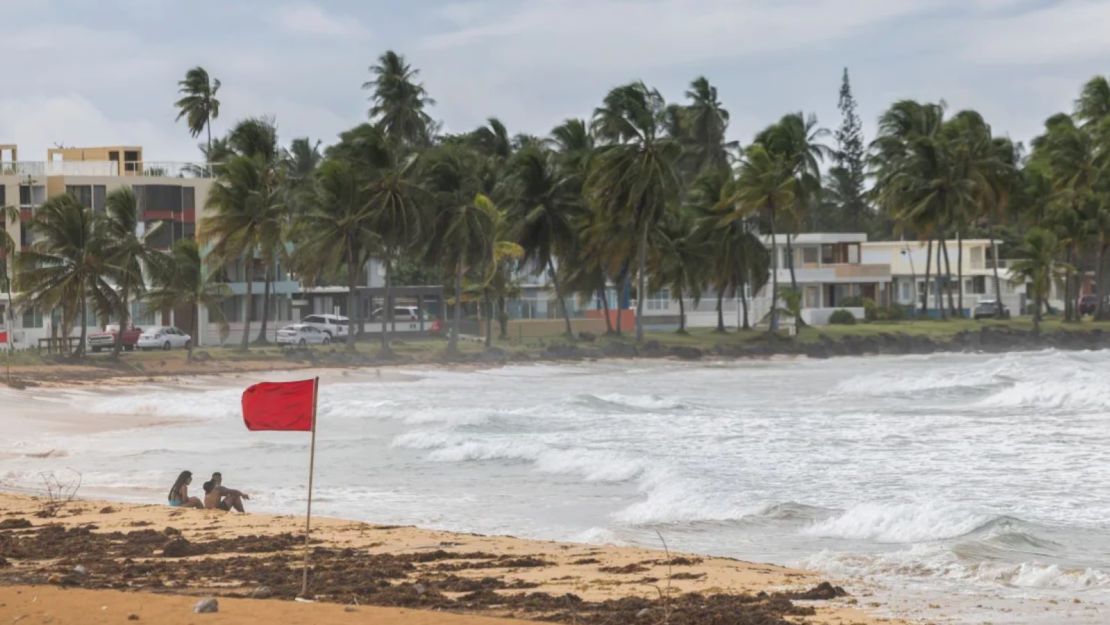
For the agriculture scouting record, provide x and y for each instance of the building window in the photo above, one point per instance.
(660, 300)
(853, 254)
(232, 308)
(809, 255)
(32, 318)
(827, 254)
(904, 291)
(976, 285)
(31, 195)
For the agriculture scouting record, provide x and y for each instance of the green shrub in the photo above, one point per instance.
(871, 312)
(842, 317)
(852, 301)
(893, 313)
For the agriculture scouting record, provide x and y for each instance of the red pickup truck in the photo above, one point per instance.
(107, 338)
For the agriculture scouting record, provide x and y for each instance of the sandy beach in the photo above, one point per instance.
(141, 559)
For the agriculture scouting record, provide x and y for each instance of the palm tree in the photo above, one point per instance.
(8, 215)
(468, 241)
(130, 252)
(66, 266)
(1036, 266)
(678, 262)
(179, 280)
(704, 123)
(796, 139)
(336, 234)
(399, 101)
(765, 185)
(395, 214)
(634, 178)
(198, 104)
(543, 206)
(244, 212)
(912, 176)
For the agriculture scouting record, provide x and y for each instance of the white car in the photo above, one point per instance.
(163, 337)
(301, 334)
(335, 326)
(405, 319)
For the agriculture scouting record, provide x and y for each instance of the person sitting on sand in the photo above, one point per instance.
(219, 497)
(179, 494)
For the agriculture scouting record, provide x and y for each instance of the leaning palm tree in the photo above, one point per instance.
(67, 266)
(198, 103)
(1036, 266)
(635, 176)
(335, 236)
(543, 206)
(765, 185)
(243, 207)
(131, 252)
(705, 124)
(181, 280)
(398, 101)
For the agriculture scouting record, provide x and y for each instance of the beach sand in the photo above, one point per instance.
(141, 559)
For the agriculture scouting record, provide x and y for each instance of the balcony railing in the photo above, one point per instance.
(166, 169)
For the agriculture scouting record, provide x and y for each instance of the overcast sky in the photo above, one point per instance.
(106, 72)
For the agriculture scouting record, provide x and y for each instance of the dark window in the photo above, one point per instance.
(25, 235)
(3, 196)
(83, 193)
(232, 309)
(130, 159)
(165, 236)
(99, 196)
(32, 318)
(24, 195)
(113, 155)
(188, 198)
(158, 197)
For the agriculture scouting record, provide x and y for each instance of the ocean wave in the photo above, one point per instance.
(938, 562)
(899, 523)
(1074, 391)
(671, 499)
(632, 402)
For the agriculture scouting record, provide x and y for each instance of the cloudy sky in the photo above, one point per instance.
(105, 72)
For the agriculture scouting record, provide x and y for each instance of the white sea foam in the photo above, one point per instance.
(898, 523)
(646, 402)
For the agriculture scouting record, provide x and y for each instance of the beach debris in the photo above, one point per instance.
(350, 608)
(171, 531)
(419, 588)
(4, 562)
(646, 612)
(14, 524)
(821, 592)
(262, 592)
(132, 617)
(107, 510)
(80, 570)
(176, 548)
(207, 605)
(624, 570)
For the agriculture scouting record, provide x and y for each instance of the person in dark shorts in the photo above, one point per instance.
(219, 497)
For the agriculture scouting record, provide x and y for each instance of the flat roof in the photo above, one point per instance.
(820, 237)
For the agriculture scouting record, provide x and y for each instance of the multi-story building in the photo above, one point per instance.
(169, 193)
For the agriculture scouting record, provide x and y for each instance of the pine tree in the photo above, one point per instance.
(846, 178)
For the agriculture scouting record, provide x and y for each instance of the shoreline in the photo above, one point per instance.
(988, 339)
(142, 548)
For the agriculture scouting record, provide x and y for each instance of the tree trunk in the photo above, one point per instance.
(453, 343)
(793, 279)
(1068, 287)
(559, 296)
(604, 296)
(997, 280)
(352, 295)
(641, 283)
(1099, 290)
(960, 271)
(268, 281)
(84, 329)
(928, 269)
(620, 297)
(502, 318)
(124, 317)
(948, 278)
(720, 310)
(387, 307)
(208, 155)
(489, 321)
(744, 307)
(250, 302)
(681, 314)
(774, 323)
(192, 333)
(939, 300)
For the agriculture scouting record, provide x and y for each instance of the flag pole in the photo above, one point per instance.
(311, 463)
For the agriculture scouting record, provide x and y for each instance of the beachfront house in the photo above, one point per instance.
(907, 261)
(830, 272)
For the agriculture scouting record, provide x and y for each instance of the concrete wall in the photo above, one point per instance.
(541, 328)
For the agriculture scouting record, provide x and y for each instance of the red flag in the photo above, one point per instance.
(280, 406)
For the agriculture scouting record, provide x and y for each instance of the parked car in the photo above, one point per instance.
(163, 337)
(988, 309)
(400, 314)
(302, 334)
(335, 326)
(107, 338)
(1088, 304)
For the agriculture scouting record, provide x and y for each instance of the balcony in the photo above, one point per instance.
(162, 169)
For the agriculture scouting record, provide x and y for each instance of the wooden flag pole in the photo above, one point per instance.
(311, 465)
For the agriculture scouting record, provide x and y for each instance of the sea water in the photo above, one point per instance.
(958, 488)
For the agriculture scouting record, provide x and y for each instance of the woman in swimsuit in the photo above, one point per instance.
(179, 494)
